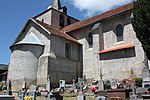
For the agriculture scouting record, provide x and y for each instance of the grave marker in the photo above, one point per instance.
(146, 74)
(32, 92)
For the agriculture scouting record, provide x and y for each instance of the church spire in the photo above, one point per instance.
(56, 4)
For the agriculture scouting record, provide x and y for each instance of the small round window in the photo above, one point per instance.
(119, 32)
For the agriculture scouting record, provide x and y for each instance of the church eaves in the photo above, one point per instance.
(55, 31)
(97, 18)
(49, 28)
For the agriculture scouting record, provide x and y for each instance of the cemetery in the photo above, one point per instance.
(83, 89)
(49, 51)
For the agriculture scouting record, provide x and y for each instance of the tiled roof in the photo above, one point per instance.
(97, 18)
(56, 31)
(117, 48)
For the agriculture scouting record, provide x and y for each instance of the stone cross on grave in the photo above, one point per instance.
(73, 82)
(9, 85)
(100, 74)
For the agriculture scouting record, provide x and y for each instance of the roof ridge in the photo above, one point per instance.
(99, 17)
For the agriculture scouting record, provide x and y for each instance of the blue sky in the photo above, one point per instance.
(15, 13)
(13, 16)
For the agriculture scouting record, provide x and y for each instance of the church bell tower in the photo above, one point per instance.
(56, 4)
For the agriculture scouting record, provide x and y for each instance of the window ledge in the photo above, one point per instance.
(89, 49)
(121, 42)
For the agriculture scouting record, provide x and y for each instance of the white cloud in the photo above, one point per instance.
(90, 7)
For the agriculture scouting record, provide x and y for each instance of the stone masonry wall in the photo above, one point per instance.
(116, 65)
(120, 68)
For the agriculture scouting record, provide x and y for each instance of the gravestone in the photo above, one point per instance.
(113, 83)
(81, 96)
(49, 96)
(22, 92)
(4, 85)
(20, 95)
(80, 81)
(101, 85)
(9, 85)
(146, 77)
(48, 86)
(62, 84)
(101, 82)
(134, 96)
(32, 92)
(100, 98)
(73, 82)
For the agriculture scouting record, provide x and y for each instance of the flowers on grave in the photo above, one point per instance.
(93, 89)
(28, 98)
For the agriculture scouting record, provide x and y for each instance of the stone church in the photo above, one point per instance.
(57, 46)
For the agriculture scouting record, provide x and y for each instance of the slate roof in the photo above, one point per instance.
(97, 18)
(30, 39)
(56, 31)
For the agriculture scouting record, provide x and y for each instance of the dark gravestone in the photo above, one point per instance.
(9, 92)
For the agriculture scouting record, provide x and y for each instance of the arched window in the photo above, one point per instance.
(90, 40)
(61, 20)
(119, 32)
(67, 50)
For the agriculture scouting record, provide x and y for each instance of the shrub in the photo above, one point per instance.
(138, 82)
(107, 85)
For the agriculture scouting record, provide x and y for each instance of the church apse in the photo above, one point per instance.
(24, 61)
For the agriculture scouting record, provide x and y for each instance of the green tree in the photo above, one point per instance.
(141, 23)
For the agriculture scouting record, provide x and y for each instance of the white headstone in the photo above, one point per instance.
(61, 84)
(48, 86)
(146, 74)
(101, 85)
(146, 77)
